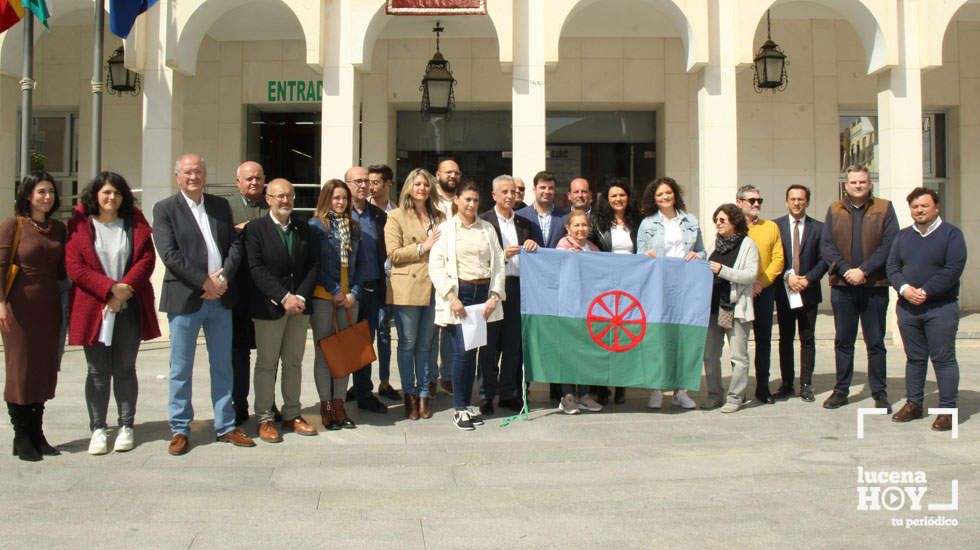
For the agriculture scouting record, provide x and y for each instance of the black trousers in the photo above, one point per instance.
(762, 329)
(504, 339)
(804, 319)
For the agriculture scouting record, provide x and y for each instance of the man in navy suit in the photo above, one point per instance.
(547, 220)
(804, 268)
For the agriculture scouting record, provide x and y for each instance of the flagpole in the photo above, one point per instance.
(26, 88)
(98, 86)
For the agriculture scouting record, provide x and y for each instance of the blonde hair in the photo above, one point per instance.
(406, 202)
(575, 214)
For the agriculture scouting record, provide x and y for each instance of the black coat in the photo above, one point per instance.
(274, 271)
(181, 248)
(812, 265)
(523, 226)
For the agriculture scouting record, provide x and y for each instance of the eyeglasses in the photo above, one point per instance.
(359, 183)
(754, 201)
(283, 196)
(720, 221)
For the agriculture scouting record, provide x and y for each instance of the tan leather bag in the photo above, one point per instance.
(347, 350)
(12, 268)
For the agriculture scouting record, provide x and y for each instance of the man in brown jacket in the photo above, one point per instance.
(857, 236)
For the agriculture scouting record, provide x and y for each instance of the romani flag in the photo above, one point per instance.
(123, 14)
(608, 319)
(41, 9)
(11, 11)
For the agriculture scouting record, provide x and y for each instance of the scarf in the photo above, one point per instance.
(341, 225)
(725, 244)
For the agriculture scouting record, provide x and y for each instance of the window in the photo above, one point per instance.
(54, 149)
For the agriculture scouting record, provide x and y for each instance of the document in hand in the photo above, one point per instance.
(474, 327)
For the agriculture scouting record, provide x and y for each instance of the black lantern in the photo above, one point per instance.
(437, 83)
(770, 65)
(119, 78)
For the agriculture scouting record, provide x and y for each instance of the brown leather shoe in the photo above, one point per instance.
(298, 425)
(447, 386)
(178, 445)
(268, 432)
(943, 423)
(909, 411)
(411, 407)
(424, 410)
(237, 438)
(340, 414)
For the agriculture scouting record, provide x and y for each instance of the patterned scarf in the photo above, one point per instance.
(341, 224)
(724, 244)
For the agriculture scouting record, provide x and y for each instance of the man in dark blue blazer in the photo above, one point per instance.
(547, 220)
(197, 243)
(804, 269)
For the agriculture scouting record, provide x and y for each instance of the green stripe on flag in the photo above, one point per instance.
(562, 350)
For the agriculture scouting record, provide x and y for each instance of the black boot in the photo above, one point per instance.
(23, 448)
(37, 432)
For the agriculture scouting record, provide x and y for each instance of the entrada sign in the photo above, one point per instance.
(280, 91)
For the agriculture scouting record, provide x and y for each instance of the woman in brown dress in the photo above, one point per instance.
(30, 314)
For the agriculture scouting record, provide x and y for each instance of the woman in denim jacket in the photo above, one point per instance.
(336, 242)
(667, 230)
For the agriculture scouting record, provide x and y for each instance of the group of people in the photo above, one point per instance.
(253, 275)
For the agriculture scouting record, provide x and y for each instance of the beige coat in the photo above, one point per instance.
(442, 269)
(409, 284)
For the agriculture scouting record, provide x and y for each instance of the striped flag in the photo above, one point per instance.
(11, 11)
(608, 319)
(123, 14)
(41, 9)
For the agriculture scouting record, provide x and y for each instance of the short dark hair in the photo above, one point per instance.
(544, 175)
(857, 168)
(735, 216)
(22, 204)
(383, 169)
(805, 189)
(90, 197)
(648, 203)
(920, 191)
(467, 185)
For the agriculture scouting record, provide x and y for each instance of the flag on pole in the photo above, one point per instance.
(123, 14)
(41, 9)
(607, 319)
(11, 11)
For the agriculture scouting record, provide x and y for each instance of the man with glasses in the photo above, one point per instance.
(380, 179)
(284, 268)
(372, 221)
(519, 185)
(765, 235)
(857, 236)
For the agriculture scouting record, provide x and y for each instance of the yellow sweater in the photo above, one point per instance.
(765, 234)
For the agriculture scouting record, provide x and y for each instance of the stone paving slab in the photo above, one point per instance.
(624, 478)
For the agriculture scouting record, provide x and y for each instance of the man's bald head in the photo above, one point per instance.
(579, 194)
(357, 181)
(280, 198)
(447, 175)
(250, 179)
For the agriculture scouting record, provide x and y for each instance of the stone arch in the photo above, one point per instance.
(193, 22)
(880, 16)
(690, 18)
(940, 15)
(369, 24)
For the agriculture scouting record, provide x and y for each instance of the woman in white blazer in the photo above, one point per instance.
(466, 266)
(734, 261)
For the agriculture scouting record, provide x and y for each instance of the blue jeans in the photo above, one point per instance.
(368, 304)
(384, 341)
(441, 355)
(464, 362)
(929, 332)
(867, 305)
(415, 327)
(215, 319)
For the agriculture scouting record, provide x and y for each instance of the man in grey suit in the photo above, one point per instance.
(196, 241)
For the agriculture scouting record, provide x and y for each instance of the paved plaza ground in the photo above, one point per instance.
(784, 474)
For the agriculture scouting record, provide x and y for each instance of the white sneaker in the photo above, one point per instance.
(656, 399)
(99, 444)
(730, 407)
(681, 398)
(124, 440)
(586, 402)
(569, 405)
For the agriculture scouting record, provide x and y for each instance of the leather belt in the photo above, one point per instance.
(476, 282)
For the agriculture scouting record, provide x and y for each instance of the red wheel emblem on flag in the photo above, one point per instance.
(616, 321)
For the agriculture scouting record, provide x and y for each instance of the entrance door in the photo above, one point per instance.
(287, 145)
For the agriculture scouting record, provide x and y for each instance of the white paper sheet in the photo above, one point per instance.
(108, 325)
(795, 299)
(474, 327)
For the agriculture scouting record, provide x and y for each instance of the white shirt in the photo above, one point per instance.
(622, 242)
(932, 227)
(204, 225)
(673, 238)
(508, 232)
(444, 203)
(792, 249)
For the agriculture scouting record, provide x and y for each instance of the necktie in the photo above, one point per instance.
(796, 247)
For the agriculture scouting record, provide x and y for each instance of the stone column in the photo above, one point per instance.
(339, 123)
(528, 93)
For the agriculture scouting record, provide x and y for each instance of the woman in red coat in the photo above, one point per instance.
(110, 258)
